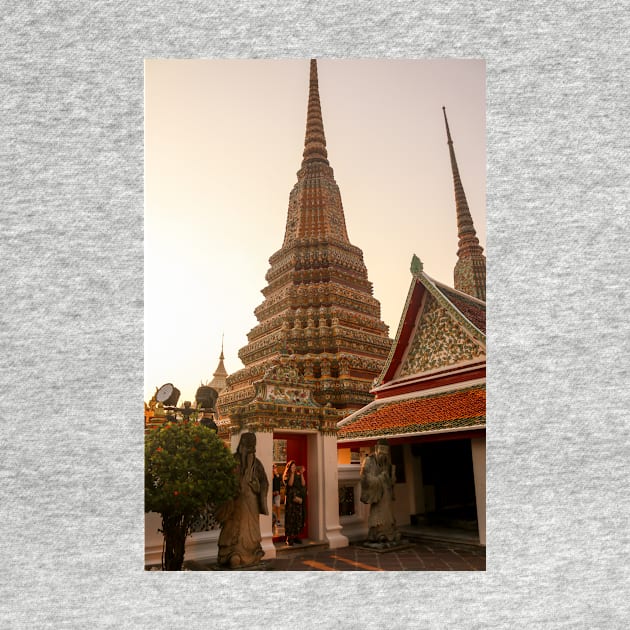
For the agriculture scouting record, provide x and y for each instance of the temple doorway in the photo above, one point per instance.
(448, 483)
(287, 447)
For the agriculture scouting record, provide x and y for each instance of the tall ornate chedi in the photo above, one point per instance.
(470, 269)
(319, 318)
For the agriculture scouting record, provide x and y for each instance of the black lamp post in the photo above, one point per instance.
(205, 398)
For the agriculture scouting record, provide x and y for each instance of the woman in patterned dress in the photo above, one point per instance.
(294, 516)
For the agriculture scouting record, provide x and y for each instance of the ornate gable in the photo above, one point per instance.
(439, 328)
(440, 340)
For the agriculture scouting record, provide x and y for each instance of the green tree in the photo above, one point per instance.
(187, 469)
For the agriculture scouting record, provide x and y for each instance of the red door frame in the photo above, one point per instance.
(297, 449)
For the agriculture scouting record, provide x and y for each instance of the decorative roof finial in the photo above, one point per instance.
(416, 266)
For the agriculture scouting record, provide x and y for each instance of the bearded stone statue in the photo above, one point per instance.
(378, 477)
(240, 538)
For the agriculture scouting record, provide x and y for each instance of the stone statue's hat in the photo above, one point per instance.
(248, 439)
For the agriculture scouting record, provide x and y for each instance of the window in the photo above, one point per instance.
(346, 500)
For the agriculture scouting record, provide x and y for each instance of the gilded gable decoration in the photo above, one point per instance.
(440, 341)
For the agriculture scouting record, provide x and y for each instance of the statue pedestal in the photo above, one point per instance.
(384, 547)
(259, 566)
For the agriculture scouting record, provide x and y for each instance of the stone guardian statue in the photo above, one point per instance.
(240, 538)
(378, 477)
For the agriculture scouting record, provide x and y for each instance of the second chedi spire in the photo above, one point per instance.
(470, 269)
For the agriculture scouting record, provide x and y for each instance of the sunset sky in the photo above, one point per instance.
(223, 143)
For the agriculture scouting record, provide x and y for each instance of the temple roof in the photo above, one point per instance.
(451, 410)
(474, 310)
(440, 327)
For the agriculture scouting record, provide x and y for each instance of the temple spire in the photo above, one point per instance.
(315, 140)
(315, 208)
(470, 270)
(220, 375)
(319, 315)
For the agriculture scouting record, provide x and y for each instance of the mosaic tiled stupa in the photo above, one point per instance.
(470, 269)
(318, 317)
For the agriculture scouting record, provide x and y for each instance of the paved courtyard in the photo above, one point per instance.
(418, 556)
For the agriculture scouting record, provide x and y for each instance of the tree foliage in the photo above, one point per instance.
(187, 468)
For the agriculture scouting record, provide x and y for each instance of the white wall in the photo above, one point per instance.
(478, 446)
(354, 527)
(200, 546)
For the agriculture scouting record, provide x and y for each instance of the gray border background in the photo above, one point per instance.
(71, 172)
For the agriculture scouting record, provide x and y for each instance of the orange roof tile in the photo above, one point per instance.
(428, 413)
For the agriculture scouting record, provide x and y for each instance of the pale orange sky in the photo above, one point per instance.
(223, 143)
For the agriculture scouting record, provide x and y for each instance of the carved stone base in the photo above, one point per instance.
(383, 547)
(259, 566)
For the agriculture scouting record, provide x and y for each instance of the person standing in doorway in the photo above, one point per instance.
(294, 509)
(276, 496)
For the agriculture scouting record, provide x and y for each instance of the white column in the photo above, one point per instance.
(264, 452)
(478, 447)
(330, 487)
(315, 511)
